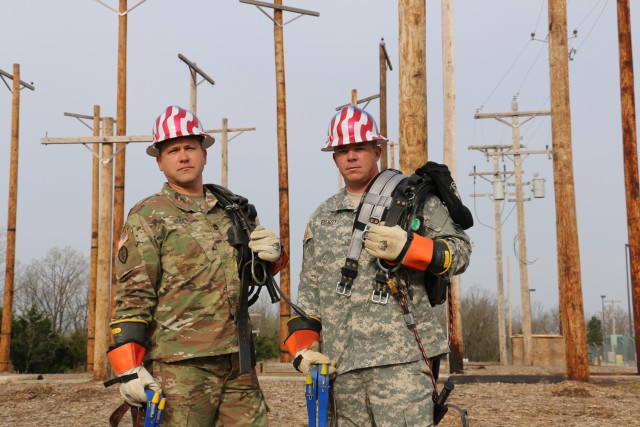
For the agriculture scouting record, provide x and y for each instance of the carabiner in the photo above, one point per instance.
(253, 270)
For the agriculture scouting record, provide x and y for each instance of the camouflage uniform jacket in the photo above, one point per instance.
(177, 271)
(356, 332)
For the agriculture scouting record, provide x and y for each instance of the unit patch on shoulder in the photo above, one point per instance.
(123, 254)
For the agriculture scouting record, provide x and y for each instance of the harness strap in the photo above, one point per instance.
(372, 206)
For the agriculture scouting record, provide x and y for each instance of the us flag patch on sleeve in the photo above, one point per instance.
(123, 239)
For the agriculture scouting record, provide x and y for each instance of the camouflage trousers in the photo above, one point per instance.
(208, 392)
(386, 396)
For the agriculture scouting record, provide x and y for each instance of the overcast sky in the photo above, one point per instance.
(69, 51)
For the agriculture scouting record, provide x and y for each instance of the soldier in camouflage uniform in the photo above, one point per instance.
(178, 291)
(381, 378)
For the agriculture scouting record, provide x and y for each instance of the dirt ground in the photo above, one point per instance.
(611, 398)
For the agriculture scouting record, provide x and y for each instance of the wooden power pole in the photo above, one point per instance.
(93, 272)
(225, 140)
(283, 170)
(384, 63)
(516, 153)
(498, 196)
(103, 274)
(569, 281)
(412, 76)
(9, 274)
(194, 70)
(93, 269)
(120, 148)
(456, 345)
(630, 150)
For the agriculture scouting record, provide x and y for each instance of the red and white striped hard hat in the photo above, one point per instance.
(351, 125)
(175, 122)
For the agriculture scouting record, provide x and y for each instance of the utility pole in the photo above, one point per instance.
(194, 70)
(631, 176)
(498, 196)
(509, 297)
(104, 294)
(283, 171)
(516, 152)
(93, 269)
(105, 236)
(456, 345)
(412, 79)
(384, 63)
(225, 140)
(10, 264)
(626, 273)
(569, 281)
(120, 148)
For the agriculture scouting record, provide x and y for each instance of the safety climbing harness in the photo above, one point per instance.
(317, 395)
(254, 273)
(372, 206)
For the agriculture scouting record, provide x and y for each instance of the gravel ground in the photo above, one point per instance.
(611, 398)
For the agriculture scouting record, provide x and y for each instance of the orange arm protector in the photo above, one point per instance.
(127, 349)
(302, 333)
(419, 253)
(126, 357)
(424, 253)
(278, 265)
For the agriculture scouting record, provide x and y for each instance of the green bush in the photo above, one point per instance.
(35, 348)
(267, 346)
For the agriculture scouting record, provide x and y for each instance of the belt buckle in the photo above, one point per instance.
(343, 288)
(379, 297)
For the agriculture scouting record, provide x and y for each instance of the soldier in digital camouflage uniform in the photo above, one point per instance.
(178, 291)
(381, 378)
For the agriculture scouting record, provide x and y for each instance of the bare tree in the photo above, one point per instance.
(57, 285)
(544, 321)
(479, 310)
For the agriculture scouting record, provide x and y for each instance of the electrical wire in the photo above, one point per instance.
(505, 75)
(474, 207)
(584, 40)
(531, 67)
(517, 255)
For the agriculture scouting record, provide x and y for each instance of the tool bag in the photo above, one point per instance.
(409, 197)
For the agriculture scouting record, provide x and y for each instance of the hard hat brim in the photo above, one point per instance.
(328, 147)
(207, 141)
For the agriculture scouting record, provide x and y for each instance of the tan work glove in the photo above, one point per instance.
(133, 391)
(266, 244)
(385, 242)
(311, 356)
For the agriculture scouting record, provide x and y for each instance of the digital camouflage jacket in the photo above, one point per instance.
(356, 332)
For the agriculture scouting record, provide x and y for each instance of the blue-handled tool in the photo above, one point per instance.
(153, 413)
(317, 395)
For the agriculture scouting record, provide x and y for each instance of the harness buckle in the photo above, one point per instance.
(365, 232)
(379, 296)
(343, 288)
